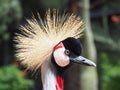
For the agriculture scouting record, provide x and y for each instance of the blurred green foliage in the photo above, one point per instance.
(10, 11)
(54, 3)
(11, 78)
(110, 73)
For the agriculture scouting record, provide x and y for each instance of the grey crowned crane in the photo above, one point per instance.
(51, 46)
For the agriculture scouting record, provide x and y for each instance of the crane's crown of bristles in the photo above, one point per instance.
(36, 40)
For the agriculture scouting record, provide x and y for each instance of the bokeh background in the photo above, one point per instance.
(101, 42)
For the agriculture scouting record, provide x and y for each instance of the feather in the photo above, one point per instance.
(38, 38)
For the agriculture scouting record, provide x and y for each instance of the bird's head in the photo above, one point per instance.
(69, 50)
(39, 40)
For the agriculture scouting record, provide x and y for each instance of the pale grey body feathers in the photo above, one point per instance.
(48, 76)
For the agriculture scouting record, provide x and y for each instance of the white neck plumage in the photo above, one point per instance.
(48, 76)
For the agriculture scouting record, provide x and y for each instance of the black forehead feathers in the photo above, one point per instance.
(74, 45)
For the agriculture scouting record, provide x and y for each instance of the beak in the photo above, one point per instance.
(83, 61)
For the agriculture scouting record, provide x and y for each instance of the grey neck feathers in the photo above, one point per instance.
(48, 76)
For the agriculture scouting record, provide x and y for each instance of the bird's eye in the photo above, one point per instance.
(67, 52)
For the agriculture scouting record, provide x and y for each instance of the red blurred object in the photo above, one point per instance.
(59, 83)
(115, 18)
(24, 72)
(16, 63)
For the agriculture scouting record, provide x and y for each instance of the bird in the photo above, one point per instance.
(51, 45)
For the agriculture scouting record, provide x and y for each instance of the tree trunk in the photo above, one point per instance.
(88, 77)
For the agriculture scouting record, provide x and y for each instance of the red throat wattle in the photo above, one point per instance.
(59, 83)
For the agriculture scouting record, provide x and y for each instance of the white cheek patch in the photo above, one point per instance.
(60, 57)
